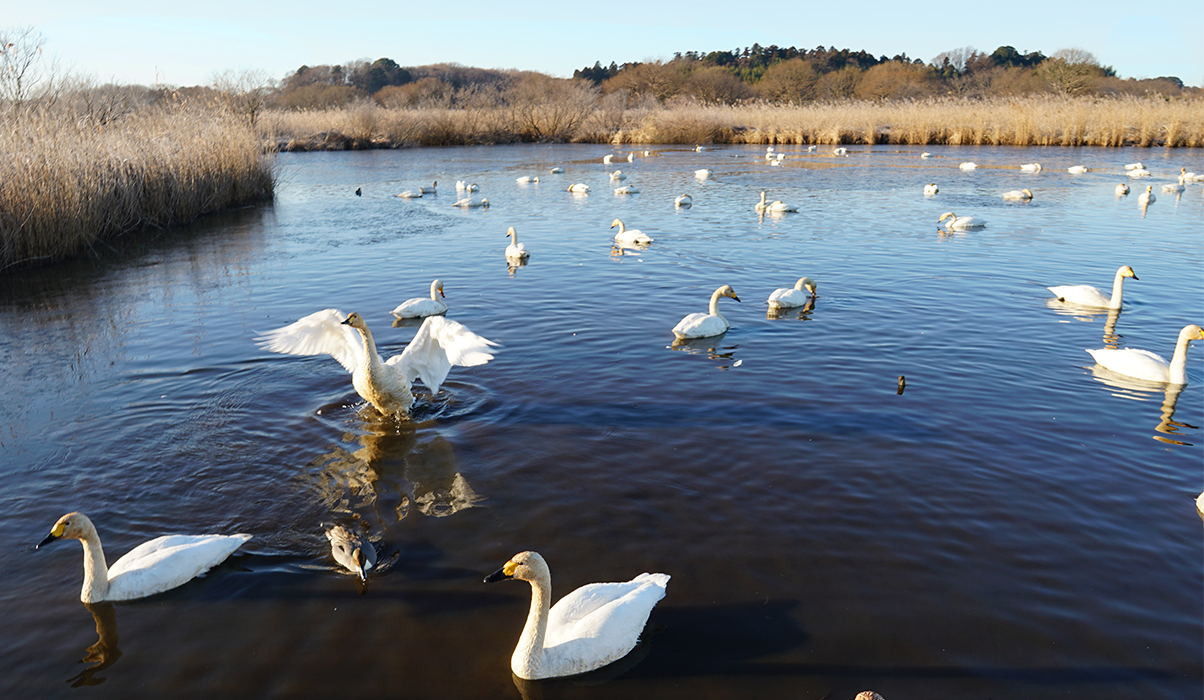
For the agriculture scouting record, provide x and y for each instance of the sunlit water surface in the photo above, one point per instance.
(1011, 525)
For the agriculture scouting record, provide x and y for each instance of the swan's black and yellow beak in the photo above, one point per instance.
(49, 538)
(736, 297)
(506, 572)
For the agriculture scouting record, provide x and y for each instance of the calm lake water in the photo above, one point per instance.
(1011, 525)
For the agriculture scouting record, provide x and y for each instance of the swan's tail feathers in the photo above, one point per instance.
(320, 333)
(440, 344)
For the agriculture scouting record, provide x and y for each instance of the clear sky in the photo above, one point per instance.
(138, 41)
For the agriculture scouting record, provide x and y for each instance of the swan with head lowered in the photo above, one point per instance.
(587, 629)
(1086, 295)
(421, 307)
(795, 296)
(631, 237)
(931, 189)
(152, 567)
(1023, 195)
(683, 202)
(438, 345)
(700, 325)
(1143, 364)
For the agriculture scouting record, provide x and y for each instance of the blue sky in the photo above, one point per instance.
(137, 41)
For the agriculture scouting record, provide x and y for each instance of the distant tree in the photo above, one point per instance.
(790, 82)
(244, 92)
(715, 85)
(1071, 71)
(894, 80)
(839, 84)
(550, 109)
(24, 72)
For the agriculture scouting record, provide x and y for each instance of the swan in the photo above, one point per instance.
(460, 185)
(1139, 172)
(1148, 196)
(516, 250)
(1031, 167)
(931, 188)
(607, 158)
(635, 236)
(526, 179)
(775, 207)
(409, 194)
(587, 629)
(812, 149)
(960, 223)
(769, 151)
(1122, 189)
(152, 567)
(618, 175)
(431, 189)
(470, 203)
(841, 151)
(704, 173)
(439, 344)
(699, 149)
(925, 154)
(1144, 364)
(789, 298)
(1077, 169)
(968, 166)
(471, 187)
(1177, 187)
(1086, 295)
(631, 157)
(579, 188)
(1134, 166)
(556, 170)
(683, 201)
(700, 325)
(1025, 194)
(627, 189)
(351, 550)
(421, 307)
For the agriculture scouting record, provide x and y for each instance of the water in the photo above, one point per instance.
(1009, 526)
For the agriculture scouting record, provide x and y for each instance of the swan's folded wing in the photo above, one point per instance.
(166, 562)
(320, 333)
(439, 344)
(603, 621)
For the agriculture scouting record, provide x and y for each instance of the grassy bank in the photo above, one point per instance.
(67, 183)
(1021, 121)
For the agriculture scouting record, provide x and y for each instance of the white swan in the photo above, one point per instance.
(1147, 197)
(431, 189)
(1024, 195)
(703, 173)
(471, 187)
(579, 188)
(789, 298)
(812, 149)
(525, 179)
(1135, 166)
(587, 629)
(634, 236)
(775, 207)
(1086, 295)
(607, 158)
(438, 345)
(925, 154)
(1144, 364)
(931, 189)
(461, 185)
(470, 203)
(152, 567)
(700, 325)
(699, 149)
(351, 550)
(516, 250)
(1140, 172)
(556, 170)
(420, 307)
(627, 189)
(409, 194)
(1177, 187)
(618, 175)
(841, 151)
(1122, 189)
(968, 165)
(683, 201)
(1031, 167)
(1077, 169)
(631, 157)
(960, 223)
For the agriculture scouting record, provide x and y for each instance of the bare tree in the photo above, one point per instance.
(244, 92)
(24, 74)
(1071, 71)
(551, 109)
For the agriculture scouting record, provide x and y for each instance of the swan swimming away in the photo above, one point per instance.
(1122, 189)
(700, 325)
(796, 296)
(634, 236)
(627, 189)
(683, 201)
(152, 567)
(968, 166)
(960, 223)
(525, 179)
(587, 629)
(1143, 364)
(516, 250)
(579, 188)
(352, 551)
(438, 345)
(1025, 194)
(704, 173)
(618, 175)
(1086, 295)
(1031, 167)
(775, 207)
(421, 307)
(1147, 197)
(931, 188)
(1077, 169)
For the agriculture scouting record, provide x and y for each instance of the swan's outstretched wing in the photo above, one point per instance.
(320, 333)
(441, 343)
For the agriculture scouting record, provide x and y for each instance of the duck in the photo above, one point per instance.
(1024, 195)
(1077, 169)
(968, 166)
(1086, 295)
(703, 173)
(516, 250)
(634, 236)
(1148, 196)
(684, 201)
(700, 325)
(1029, 167)
(1143, 364)
(439, 344)
(775, 207)
(579, 188)
(525, 179)
(421, 307)
(409, 194)
(1122, 189)
(795, 296)
(627, 189)
(470, 203)
(931, 189)
(152, 567)
(960, 223)
(556, 170)
(353, 551)
(431, 189)
(618, 175)
(587, 629)
(359, 192)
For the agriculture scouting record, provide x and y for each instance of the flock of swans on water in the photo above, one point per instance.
(597, 623)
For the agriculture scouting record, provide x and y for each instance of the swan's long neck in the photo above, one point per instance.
(371, 358)
(529, 653)
(514, 238)
(435, 290)
(1178, 368)
(96, 571)
(1117, 285)
(762, 199)
(622, 228)
(715, 303)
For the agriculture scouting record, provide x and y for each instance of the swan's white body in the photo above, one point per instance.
(409, 194)
(683, 201)
(1023, 195)
(431, 189)
(1077, 169)
(1031, 167)
(421, 307)
(1179, 186)
(525, 179)
(1086, 295)
(841, 151)
(579, 188)
(1143, 364)
(630, 157)
(516, 250)
(775, 207)
(152, 567)
(607, 158)
(633, 236)
(556, 170)
(352, 551)
(968, 166)
(1122, 189)
(925, 154)
(798, 295)
(703, 173)
(960, 223)
(438, 345)
(627, 189)
(618, 175)
(587, 629)
(931, 189)
(470, 203)
(1134, 166)
(700, 325)
(1140, 172)
(1147, 197)
(699, 149)
(812, 149)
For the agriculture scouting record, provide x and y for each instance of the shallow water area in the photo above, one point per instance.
(1012, 523)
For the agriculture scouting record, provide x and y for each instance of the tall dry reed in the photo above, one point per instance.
(66, 184)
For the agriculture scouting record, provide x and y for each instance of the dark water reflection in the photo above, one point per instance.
(1017, 523)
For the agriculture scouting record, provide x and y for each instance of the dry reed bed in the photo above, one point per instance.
(65, 185)
(1021, 121)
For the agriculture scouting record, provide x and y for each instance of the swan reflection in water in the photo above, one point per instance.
(710, 346)
(1087, 314)
(104, 653)
(513, 264)
(800, 313)
(1141, 390)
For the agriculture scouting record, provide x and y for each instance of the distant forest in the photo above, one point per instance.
(757, 73)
